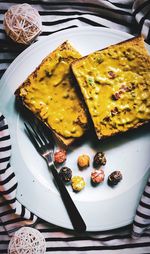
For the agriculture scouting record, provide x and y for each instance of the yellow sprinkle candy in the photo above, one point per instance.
(77, 183)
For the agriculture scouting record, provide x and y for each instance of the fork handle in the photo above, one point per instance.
(75, 217)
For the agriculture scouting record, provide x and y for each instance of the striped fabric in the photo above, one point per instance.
(142, 218)
(129, 16)
(125, 15)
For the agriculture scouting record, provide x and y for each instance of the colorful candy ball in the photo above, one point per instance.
(60, 156)
(97, 176)
(83, 161)
(77, 183)
(65, 174)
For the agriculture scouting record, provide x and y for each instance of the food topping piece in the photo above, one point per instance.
(114, 178)
(60, 156)
(99, 159)
(78, 183)
(65, 174)
(97, 176)
(111, 75)
(83, 161)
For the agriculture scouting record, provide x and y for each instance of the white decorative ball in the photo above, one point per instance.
(27, 241)
(22, 23)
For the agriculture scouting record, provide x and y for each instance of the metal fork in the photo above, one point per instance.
(45, 148)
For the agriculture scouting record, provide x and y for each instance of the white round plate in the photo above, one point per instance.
(102, 207)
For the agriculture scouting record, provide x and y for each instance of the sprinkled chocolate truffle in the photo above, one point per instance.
(83, 161)
(77, 183)
(65, 174)
(60, 156)
(97, 176)
(114, 178)
(99, 159)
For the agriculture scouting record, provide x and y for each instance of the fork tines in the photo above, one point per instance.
(37, 134)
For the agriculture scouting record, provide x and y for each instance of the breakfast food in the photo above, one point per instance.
(99, 159)
(60, 156)
(115, 83)
(50, 95)
(83, 161)
(114, 178)
(77, 183)
(65, 174)
(97, 176)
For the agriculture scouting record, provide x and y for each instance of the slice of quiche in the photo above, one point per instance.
(115, 83)
(50, 94)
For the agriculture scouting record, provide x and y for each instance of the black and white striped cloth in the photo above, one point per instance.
(129, 16)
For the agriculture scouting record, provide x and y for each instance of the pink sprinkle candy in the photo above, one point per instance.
(97, 176)
(60, 156)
